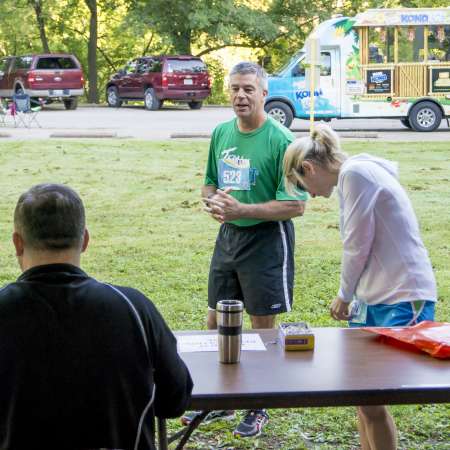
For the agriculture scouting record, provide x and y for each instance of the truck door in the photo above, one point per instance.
(125, 85)
(136, 80)
(327, 98)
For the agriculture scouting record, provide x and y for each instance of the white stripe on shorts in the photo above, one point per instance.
(285, 258)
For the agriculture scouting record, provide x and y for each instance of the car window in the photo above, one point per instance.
(154, 65)
(299, 69)
(24, 62)
(4, 64)
(325, 64)
(185, 65)
(131, 67)
(56, 63)
(142, 66)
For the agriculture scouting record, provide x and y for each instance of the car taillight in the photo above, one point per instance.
(164, 81)
(82, 79)
(31, 77)
(209, 81)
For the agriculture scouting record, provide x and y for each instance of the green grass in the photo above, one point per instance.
(148, 231)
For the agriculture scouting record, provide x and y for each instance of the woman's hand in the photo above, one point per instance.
(339, 309)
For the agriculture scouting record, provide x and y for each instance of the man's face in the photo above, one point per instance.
(247, 96)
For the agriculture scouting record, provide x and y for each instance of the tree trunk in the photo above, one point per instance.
(92, 52)
(37, 5)
(182, 42)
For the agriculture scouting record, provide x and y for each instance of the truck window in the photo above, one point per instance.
(4, 64)
(298, 70)
(154, 66)
(24, 62)
(410, 44)
(439, 42)
(131, 67)
(325, 64)
(56, 63)
(142, 66)
(183, 65)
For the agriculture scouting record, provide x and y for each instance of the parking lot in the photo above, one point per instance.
(133, 121)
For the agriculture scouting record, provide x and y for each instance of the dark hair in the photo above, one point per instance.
(50, 217)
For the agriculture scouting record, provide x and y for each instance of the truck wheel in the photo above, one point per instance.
(405, 122)
(425, 116)
(151, 102)
(112, 97)
(195, 105)
(280, 112)
(71, 103)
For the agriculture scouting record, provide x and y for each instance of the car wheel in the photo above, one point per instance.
(405, 122)
(280, 112)
(112, 97)
(71, 103)
(195, 105)
(151, 102)
(425, 116)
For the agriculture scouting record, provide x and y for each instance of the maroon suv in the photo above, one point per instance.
(51, 77)
(154, 79)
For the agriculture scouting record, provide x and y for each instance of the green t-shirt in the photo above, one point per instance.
(250, 163)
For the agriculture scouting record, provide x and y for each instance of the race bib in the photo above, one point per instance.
(236, 176)
(358, 312)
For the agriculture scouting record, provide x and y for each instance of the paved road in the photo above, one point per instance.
(180, 121)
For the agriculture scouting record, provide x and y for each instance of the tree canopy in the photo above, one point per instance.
(105, 34)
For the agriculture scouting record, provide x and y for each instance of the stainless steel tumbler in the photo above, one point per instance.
(229, 328)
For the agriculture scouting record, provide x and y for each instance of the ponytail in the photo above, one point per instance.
(322, 147)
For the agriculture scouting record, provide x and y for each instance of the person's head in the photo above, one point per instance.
(248, 89)
(313, 162)
(49, 226)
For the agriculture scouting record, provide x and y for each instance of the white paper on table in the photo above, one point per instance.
(208, 342)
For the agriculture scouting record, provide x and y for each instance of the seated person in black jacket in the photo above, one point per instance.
(83, 364)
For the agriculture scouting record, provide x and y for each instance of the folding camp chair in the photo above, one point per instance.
(5, 111)
(24, 112)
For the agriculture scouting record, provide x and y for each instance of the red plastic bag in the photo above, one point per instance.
(430, 337)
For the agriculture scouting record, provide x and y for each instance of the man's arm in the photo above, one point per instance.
(171, 376)
(224, 208)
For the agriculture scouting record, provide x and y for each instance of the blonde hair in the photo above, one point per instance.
(322, 147)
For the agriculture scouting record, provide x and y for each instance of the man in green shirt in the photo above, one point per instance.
(253, 259)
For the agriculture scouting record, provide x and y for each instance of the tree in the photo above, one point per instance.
(92, 52)
(40, 18)
(203, 26)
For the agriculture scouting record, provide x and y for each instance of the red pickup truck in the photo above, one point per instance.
(50, 77)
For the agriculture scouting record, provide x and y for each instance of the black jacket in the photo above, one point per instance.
(80, 361)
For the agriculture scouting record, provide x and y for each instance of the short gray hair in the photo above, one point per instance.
(245, 67)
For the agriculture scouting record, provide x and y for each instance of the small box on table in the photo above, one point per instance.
(296, 336)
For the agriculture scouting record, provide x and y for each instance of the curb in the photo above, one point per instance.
(343, 134)
(190, 135)
(83, 134)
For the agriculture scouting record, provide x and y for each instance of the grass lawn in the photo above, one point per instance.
(148, 231)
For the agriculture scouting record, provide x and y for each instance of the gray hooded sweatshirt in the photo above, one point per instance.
(384, 259)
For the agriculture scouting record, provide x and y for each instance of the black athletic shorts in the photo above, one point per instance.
(256, 265)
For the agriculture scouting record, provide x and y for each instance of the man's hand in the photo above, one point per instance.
(216, 205)
(339, 309)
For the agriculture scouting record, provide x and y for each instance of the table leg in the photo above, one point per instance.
(162, 434)
(190, 429)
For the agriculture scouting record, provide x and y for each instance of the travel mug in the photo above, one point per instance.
(229, 327)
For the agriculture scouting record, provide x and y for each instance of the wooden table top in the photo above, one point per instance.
(347, 367)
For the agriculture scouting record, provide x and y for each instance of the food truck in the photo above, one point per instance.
(383, 63)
